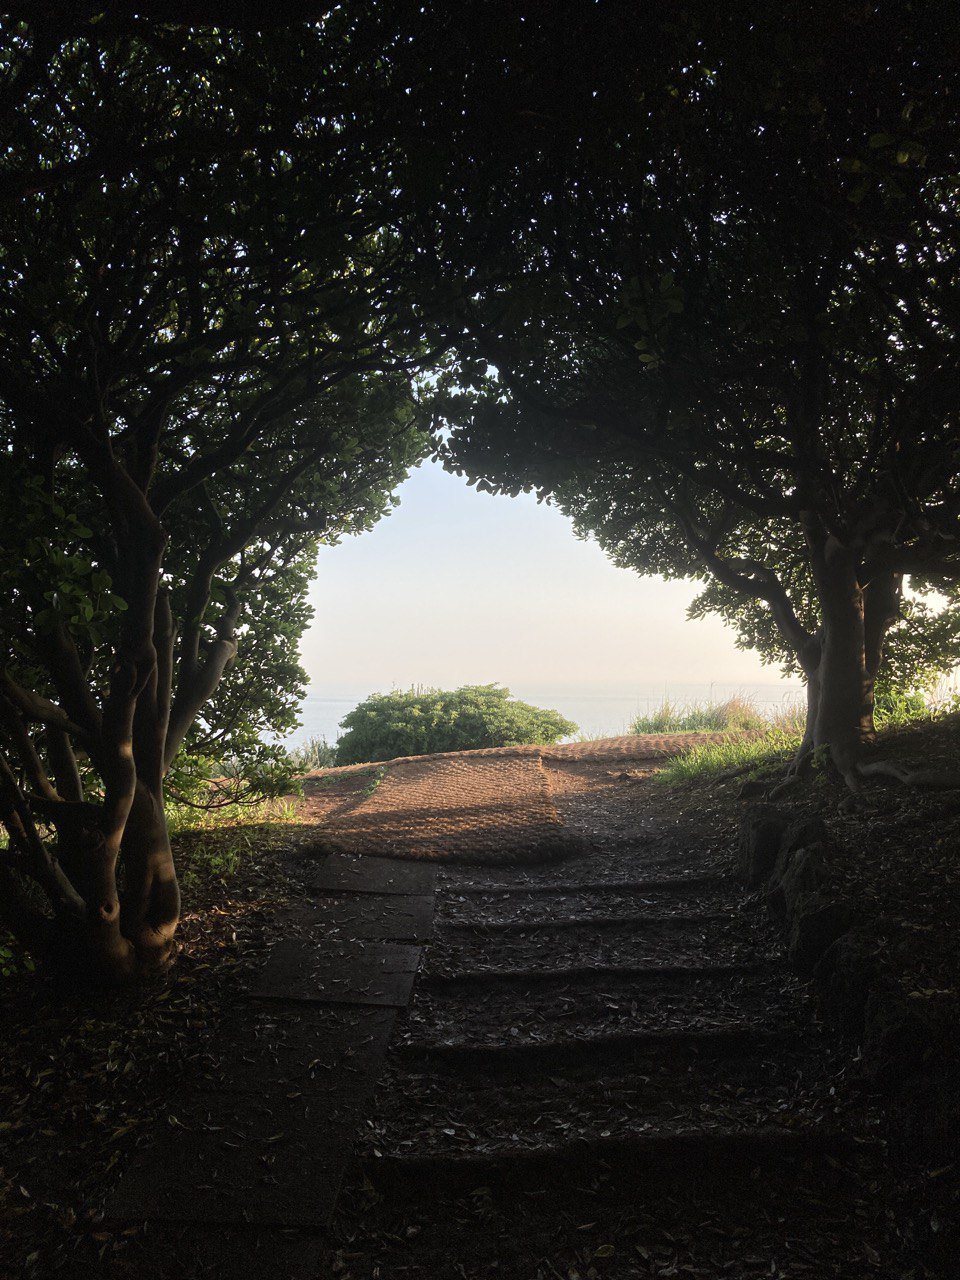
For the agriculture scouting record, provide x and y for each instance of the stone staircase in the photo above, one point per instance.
(620, 1019)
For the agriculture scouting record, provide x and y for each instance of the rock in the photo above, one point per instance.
(761, 831)
(805, 873)
(801, 864)
(904, 1034)
(817, 924)
(795, 876)
(802, 834)
(845, 975)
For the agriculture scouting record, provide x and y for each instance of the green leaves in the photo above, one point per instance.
(650, 303)
(423, 721)
(207, 334)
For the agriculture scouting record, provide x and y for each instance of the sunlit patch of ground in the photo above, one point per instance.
(483, 806)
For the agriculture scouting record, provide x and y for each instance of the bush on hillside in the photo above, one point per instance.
(422, 721)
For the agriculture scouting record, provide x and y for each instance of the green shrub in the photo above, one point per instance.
(734, 715)
(895, 707)
(422, 721)
(13, 959)
(315, 753)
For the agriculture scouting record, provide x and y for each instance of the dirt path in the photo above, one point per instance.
(608, 1070)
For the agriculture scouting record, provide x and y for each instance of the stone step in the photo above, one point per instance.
(385, 917)
(467, 1113)
(498, 909)
(360, 873)
(510, 1013)
(641, 975)
(600, 866)
(644, 1163)
(602, 919)
(351, 971)
(688, 942)
(635, 884)
(598, 1052)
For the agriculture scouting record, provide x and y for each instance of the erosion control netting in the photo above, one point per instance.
(481, 809)
(479, 806)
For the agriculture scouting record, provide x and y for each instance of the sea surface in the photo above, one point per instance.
(599, 713)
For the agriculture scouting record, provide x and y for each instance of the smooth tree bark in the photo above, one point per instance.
(844, 720)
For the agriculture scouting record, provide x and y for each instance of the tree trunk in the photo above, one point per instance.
(881, 609)
(856, 619)
(845, 687)
(128, 935)
(110, 956)
(151, 895)
(809, 656)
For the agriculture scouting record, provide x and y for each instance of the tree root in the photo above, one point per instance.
(935, 779)
(855, 772)
(797, 770)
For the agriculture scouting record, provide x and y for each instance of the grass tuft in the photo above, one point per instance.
(210, 844)
(701, 763)
(184, 818)
(790, 718)
(734, 715)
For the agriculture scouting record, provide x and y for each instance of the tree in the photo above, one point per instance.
(711, 261)
(922, 645)
(205, 358)
(423, 721)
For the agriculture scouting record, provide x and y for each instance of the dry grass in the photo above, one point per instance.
(734, 715)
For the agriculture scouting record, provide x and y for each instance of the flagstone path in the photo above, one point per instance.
(262, 1139)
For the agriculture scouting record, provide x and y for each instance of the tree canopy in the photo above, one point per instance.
(707, 265)
(206, 355)
(695, 274)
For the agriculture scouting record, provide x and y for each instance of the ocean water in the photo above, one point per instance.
(599, 712)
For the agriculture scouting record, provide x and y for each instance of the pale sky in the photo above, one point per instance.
(459, 587)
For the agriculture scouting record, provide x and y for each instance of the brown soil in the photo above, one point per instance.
(481, 809)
